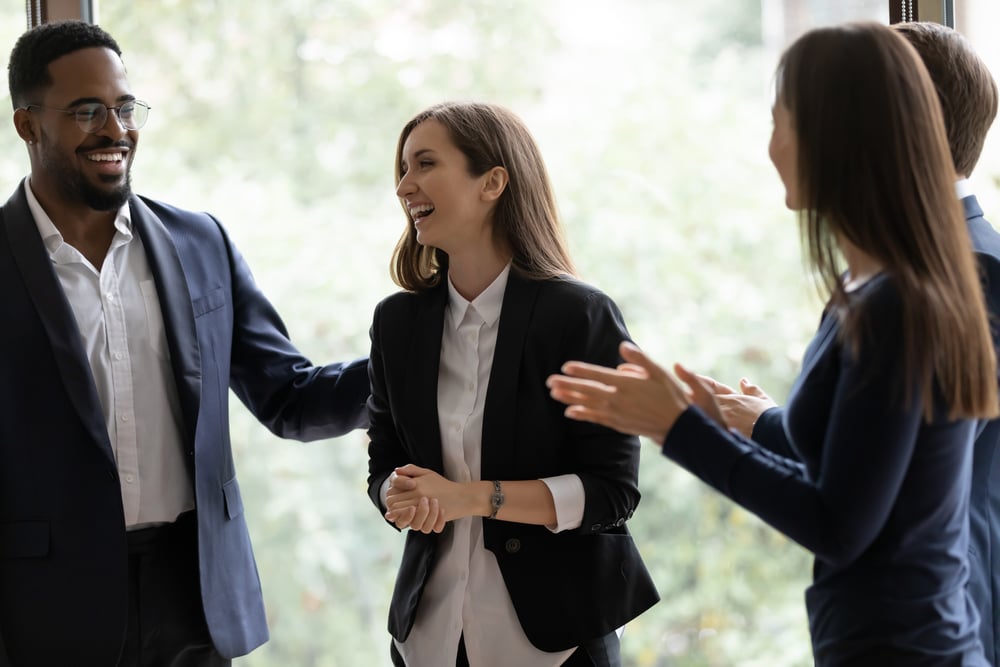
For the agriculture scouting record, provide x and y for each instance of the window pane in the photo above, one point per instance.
(976, 19)
(13, 167)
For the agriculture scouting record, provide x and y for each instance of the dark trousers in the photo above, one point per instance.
(166, 622)
(601, 652)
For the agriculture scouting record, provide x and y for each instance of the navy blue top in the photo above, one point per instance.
(879, 495)
(984, 505)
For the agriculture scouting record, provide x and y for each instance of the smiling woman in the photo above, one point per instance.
(539, 567)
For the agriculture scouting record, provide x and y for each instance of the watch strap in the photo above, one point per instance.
(496, 500)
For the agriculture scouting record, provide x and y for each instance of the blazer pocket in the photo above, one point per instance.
(212, 301)
(24, 539)
(233, 500)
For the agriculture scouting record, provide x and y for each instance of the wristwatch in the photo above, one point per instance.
(496, 500)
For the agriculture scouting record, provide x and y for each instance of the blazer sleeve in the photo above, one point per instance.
(281, 387)
(384, 449)
(606, 461)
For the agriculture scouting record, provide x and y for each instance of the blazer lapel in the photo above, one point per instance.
(422, 375)
(57, 317)
(498, 426)
(175, 304)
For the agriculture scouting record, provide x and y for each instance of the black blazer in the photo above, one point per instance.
(63, 555)
(569, 587)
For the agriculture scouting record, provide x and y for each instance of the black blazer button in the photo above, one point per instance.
(596, 528)
(620, 522)
(513, 545)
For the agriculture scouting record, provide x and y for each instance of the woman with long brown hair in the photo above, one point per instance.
(517, 551)
(881, 417)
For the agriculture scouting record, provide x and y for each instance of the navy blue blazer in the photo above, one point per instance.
(569, 587)
(63, 556)
(984, 507)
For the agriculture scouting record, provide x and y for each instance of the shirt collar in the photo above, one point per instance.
(487, 304)
(47, 229)
(963, 188)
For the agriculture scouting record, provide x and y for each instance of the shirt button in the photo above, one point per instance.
(118, 356)
(110, 296)
(124, 418)
(129, 478)
(471, 386)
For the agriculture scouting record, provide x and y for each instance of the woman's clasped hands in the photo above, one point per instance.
(423, 500)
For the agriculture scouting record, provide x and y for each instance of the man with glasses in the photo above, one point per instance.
(125, 321)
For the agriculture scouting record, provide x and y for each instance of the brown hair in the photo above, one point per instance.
(525, 219)
(874, 169)
(965, 88)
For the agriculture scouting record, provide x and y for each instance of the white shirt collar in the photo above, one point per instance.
(50, 233)
(487, 304)
(963, 188)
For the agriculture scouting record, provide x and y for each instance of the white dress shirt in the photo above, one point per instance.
(117, 312)
(465, 593)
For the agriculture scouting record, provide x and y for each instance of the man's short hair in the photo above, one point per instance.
(965, 87)
(28, 69)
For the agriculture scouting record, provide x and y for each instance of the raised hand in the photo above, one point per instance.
(638, 397)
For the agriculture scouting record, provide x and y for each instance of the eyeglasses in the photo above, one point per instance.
(91, 117)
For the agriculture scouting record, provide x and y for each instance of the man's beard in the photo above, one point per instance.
(101, 200)
(75, 187)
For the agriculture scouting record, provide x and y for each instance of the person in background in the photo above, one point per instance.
(517, 551)
(968, 96)
(126, 321)
(882, 416)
